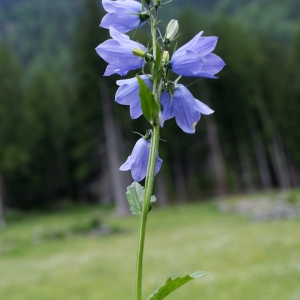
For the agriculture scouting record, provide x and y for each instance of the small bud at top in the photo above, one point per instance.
(139, 52)
(157, 3)
(147, 1)
(144, 16)
(171, 31)
(166, 56)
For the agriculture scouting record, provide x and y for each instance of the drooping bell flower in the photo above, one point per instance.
(128, 94)
(184, 107)
(194, 59)
(118, 52)
(123, 15)
(137, 162)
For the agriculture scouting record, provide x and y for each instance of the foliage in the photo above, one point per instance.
(29, 28)
(51, 128)
(135, 197)
(172, 284)
(12, 156)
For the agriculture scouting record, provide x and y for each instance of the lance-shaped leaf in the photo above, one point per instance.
(150, 108)
(135, 197)
(173, 284)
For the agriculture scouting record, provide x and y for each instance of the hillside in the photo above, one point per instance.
(41, 32)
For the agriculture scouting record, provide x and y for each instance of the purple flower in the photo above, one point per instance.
(123, 15)
(137, 162)
(118, 53)
(184, 107)
(128, 94)
(195, 59)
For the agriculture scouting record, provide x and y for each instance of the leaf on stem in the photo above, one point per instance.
(150, 108)
(135, 197)
(172, 284)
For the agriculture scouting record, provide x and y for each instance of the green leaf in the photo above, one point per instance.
(173, 284)
(135, 197)
(150, 108)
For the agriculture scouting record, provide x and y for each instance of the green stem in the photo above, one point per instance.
(150, 173)
(147, 196)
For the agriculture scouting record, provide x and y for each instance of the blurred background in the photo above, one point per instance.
(62, 137)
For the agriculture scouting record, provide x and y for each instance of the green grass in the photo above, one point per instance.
(247, 260)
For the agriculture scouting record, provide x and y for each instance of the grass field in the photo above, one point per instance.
(46, 257)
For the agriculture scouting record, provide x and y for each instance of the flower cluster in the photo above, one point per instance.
(194, 59)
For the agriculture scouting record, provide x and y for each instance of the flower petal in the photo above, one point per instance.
(121, 22)
(205, 45)
(139, 166)
(159, 162)
(185, 108)
(213, 64)
(187, 63)
(127, 165)
(119, 6)
(191, 43)
(116, 35)
(203, 108)
(168, 112)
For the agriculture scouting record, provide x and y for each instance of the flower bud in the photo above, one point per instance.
(166, 60)
(157, 3)
(144, 16)
(147, 1)
(166, 56)
(148, 57)
(171, 32)
(139, 52)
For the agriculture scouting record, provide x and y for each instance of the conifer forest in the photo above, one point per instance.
(63, 138)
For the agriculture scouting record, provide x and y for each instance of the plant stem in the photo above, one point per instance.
(147, 195)
(150, 172)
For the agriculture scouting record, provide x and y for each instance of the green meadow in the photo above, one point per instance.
(60, 256)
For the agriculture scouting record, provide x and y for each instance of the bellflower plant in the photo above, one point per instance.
(158, 96)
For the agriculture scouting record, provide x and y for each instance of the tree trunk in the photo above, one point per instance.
(2, 219)
(275, 146)
(161, 190)
(280, 167)
(218, 167)
(261, 158)
(180, 184)
(293, 172)
(117, 178)
(245, 167)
